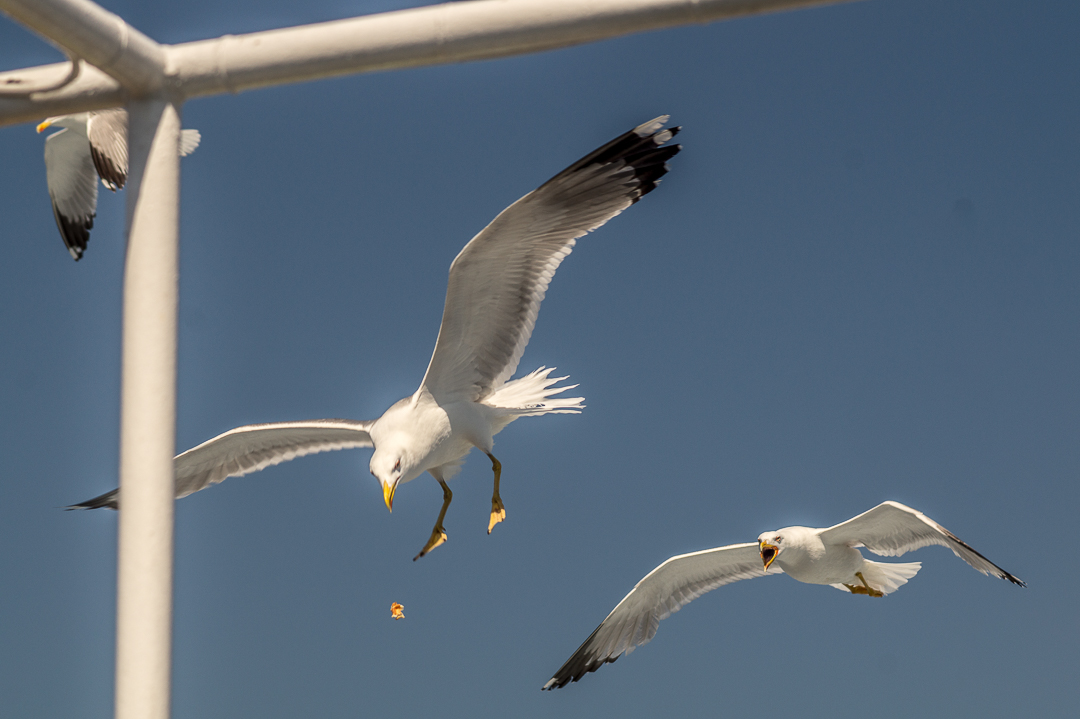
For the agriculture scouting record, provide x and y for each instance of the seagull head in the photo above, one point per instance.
(770, 545)
(63, 121)
(388, 469)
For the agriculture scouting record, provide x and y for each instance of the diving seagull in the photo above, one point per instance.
(814, 556)
(493, 296)
(91, 145)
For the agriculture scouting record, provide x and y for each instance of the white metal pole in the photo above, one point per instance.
(148, 413)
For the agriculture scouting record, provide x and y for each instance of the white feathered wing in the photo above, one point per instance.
(663, 591)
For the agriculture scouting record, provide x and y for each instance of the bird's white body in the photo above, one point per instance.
(429, 435)
(418, 431)
(807, 557)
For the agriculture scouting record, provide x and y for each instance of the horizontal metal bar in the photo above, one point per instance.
(434, 35)
(92, 90)
(93, 33)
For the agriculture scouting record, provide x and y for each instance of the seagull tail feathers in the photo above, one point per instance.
(535, 394)
(189, 140)
(109, 500)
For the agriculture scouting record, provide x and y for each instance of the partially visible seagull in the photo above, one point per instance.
(492, 300)
(814, 556)
(91, 145)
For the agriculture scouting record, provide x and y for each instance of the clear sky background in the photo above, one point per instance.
(860, 281)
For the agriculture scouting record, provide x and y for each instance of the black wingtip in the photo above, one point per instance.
(579, 664)
(1015, 580)
(74, 231)
(109, 500)
(569, 675)
(1000, 572)
(642, 148)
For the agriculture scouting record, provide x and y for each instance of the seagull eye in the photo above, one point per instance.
(778, 539)
(397, 466)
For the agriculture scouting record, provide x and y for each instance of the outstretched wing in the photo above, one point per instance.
(69, 171)
(664, 590)
(107, 131)
(499, 279)
(250, 448)
(892, 529)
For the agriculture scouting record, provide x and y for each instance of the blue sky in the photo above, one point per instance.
(858, 282)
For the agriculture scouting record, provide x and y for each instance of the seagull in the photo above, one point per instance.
(91, 144)
(814, 556)
(492, 300)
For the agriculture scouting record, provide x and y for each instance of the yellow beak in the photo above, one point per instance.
(768, 554)
(388, 495)
(43, 126)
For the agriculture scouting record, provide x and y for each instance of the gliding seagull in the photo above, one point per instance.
(814, 556)
(492, 299)
(91, 145)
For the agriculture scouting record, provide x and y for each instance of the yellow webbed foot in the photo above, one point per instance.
(438, 536)
(498, 513)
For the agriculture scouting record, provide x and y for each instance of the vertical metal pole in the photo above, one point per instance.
(148, 413)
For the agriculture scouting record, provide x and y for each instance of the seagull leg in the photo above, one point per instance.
(865, 588)
(869, 590)
(498, 511)
(438, 534)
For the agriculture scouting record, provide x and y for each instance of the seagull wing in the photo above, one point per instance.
(892, 529)
(250, 448)
(69, 171)
(664, 590)
(107, 131)
(499, 279)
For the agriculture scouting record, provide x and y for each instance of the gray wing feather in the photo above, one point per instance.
(892, 529)
(69, 172)
(499, 279)
(107, 131)
(250, 448)
(662, 592)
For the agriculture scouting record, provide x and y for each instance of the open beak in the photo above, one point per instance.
(44, 126)
(388, 495)
(768, 553)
